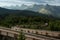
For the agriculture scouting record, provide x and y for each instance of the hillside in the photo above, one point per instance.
(43, 9)
(47, 10)
(34, 20)
(4, 11)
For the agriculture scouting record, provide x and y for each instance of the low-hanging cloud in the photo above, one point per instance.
(27, 2)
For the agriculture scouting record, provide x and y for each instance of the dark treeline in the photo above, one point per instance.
(31, 22)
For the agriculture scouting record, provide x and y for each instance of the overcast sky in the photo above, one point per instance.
(28, 2)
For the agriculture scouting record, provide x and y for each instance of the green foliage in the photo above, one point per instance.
(21, 36)
(36, 22)
(30, 19)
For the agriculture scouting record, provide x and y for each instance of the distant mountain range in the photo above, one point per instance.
(4, 11)
(36, 10)
(44, 9)
(7, 12)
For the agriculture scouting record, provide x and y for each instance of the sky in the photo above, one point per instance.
(28, 2)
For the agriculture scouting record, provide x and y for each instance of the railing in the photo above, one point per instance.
(37, 35)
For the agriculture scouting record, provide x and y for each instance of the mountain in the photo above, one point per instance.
(4, 12)
(44, 9)
(34, 8)
(47, 9)
(51, 10)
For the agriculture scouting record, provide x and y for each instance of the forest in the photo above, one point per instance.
(31, 22)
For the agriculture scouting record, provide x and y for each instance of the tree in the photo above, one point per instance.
(21, 36)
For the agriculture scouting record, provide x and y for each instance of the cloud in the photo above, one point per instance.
(28, 2)
(53, 2)
(15, 2)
